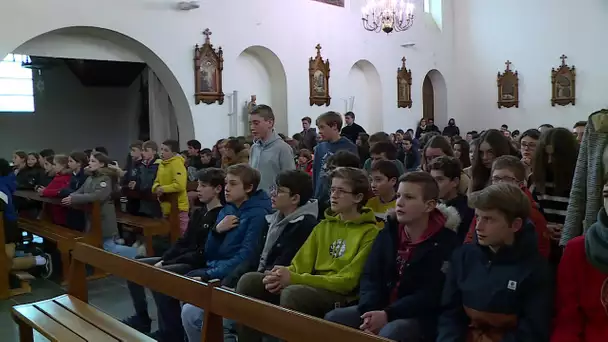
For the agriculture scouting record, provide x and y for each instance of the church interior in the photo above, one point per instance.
(79, 74)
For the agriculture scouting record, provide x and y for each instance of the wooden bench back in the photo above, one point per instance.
(5, 264)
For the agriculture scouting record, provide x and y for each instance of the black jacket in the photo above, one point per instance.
(422, 281)
(466, 213)
(451, 131)
(189, 248)
(352, 132)
(482, 286)
(28, 178)
(75, 219)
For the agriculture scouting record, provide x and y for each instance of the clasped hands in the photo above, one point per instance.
(277, 279)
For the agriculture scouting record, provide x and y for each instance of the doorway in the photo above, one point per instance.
(428, 99)
(435, 98)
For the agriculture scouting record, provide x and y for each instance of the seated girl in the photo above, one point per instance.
(49, 172)
(27, 170)
(60, 181)
(76, 163)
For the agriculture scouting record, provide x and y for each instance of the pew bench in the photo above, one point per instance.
(70, 318)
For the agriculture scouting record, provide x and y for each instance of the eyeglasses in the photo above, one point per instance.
(275, 191)
(528, 145)
(339, 192)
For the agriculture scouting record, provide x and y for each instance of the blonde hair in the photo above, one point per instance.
(507, 198)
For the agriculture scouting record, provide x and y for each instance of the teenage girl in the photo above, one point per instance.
(59, 182)
(27, 172)
(76, 163)
(49, 171)
(492, 144)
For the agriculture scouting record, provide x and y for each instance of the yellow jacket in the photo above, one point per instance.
(173, 177)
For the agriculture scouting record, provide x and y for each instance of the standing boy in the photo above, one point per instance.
(146, 175)
(384, 177)
(498, 288)
(172, 177)
(401, 285)
(351, 130)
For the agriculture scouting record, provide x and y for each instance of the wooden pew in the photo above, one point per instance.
(70, 317)
(5, 289)
(273, 320)
(150, 227)
(65, 238)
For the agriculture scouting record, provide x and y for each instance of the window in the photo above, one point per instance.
(16, 85)
(434, 8)
(426, 6)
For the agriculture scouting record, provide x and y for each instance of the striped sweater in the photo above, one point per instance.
(586, 194)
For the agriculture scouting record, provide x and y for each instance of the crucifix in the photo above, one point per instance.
(318, 47)
(508, 63)
(563, 58)
(403, 60)
(207, 34)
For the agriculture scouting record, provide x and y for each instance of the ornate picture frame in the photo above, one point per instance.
(318, 79)
(208, 67)
(508, 87)
(404, 86)
(563, 84)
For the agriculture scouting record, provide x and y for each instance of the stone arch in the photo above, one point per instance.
(366, 87)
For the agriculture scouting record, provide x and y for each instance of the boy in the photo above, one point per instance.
(509, 169)
(401, 285)
(232, 242)
(186, 254)
(384, 177)
(130, 174)
(206, 158)
(499, 288)
(351, 130)
(289, 227)
(269, 154)
(146, 174)
(172, 178)
(383, 150)
(325, 272)
(447, 171)
(329, 125)
(339, 159)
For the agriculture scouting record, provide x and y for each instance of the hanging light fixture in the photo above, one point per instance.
(387, 15)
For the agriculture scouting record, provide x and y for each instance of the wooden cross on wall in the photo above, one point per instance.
(207, 34)
(508, 63)
(563, 58)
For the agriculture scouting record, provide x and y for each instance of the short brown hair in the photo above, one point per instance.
(136, 144)
(430, 189)
(504, 197)
(450, 166)
(512, 164)
(330, 119)
(305, 153)
(387, 168)
(356, 178)
(248, 175)
(150, 144)
(264, 111)
(307, 118)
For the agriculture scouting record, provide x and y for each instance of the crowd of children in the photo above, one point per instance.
(412, 236)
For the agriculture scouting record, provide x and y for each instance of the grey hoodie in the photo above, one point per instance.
(271, 157)
(277, 223)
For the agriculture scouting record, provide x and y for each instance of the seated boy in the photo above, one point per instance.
(145, 177)
(289, 227)
(186, 254)
(498, 288)
(384, 177)
(325, 272)
(383, 150)
(509, 169)
(447, 171)
(403, 278)
(341, 158)
(172, 177)
(231, 242)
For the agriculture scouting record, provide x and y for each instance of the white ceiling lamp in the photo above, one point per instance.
(188, 5)
(387, 15)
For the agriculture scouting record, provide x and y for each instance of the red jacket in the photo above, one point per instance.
(537, 218)
(580, 314)
(58, 212)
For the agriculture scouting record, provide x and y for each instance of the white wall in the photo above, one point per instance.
(532, 35)
(71, 117)
(365, 86)
(164, 38)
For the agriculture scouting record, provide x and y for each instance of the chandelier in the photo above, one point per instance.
(387, 15)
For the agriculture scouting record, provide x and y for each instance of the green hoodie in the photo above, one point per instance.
(334, 255)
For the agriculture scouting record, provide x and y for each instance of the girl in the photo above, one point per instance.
(59, 182)
(422, 128)
(527, 148)
(49, 172)
(552, 173)
(76, 163)
(234, 153)
(492, 144)
(26, 176)
(99, 187)
(461, 151)
(305, 161)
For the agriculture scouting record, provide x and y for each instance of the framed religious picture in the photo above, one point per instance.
(318, 74)
(404, 86)
(563, 84)
(508, 88)
(208, 67)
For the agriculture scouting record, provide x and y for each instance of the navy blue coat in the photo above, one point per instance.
(421, 283)
(75, 219)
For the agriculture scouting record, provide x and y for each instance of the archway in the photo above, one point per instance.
(435, 98)
(108, 44)
(366, 87)
(261, 73)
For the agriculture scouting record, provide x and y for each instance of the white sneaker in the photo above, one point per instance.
(136, 244)
(48, 267)
(119, 241)
(141, 250)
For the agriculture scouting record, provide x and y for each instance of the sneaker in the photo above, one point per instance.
(48, 266)
(136, 244)
(119, 241)
(141, 251)
(143, 325)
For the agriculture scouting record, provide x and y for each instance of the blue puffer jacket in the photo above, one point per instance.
(8, 186)
(225, 251)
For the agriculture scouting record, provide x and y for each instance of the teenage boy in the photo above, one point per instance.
(509, 169)
(206, 158)
(289, 227)
(499, 288)
(146, 174)
(194, 148)
(447, 171)
(326, 270)
(232, 241)
(384, 177)
(351, 130)
(269, 153)
(329, 125)
(172, 177)
(383, 150)
(339, 159)
(129, 175)
(186, 254)
(308, 134)
(401, 285)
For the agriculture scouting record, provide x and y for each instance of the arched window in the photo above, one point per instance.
(16, 85)
(434, 8)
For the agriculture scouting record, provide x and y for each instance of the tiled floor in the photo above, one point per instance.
(108, 294)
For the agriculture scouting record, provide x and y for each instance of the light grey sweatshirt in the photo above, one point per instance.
(271, 157)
